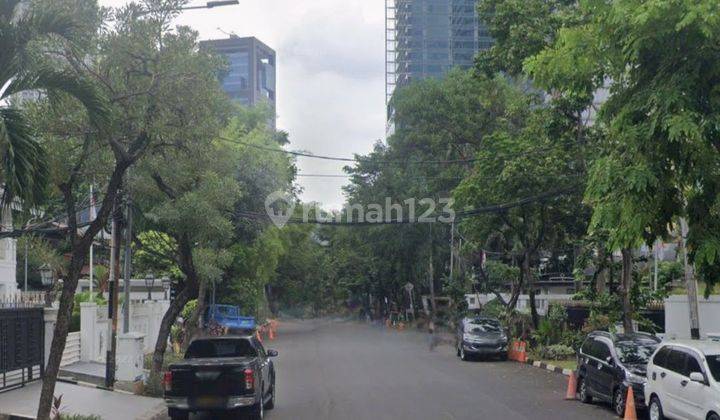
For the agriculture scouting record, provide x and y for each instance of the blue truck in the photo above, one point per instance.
(228, 317)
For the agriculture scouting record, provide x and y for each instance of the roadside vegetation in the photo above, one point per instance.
(127, 104)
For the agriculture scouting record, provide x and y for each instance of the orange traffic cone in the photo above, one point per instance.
(571, 387)
(630, 412)
(271, 333)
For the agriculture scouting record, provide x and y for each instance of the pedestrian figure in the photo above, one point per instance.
(432, 339)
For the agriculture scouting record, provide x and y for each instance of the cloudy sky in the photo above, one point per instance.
(331, 93)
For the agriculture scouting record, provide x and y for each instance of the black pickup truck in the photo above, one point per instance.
(223, 375)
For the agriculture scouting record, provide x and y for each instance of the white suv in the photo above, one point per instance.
(684, 381)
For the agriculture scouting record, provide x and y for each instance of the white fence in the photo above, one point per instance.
(677, 316)
(523, 304)
(145, 318)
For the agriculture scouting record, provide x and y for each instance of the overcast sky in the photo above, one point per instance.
(330, 81)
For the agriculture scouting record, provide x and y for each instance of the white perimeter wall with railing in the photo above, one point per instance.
(145, 318)
(475, 300)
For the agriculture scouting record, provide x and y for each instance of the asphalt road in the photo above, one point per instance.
(346, 370)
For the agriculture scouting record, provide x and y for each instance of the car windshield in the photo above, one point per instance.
(210, 349)
(227, 310)
(480, 326)
(635, 353)
(713, 362)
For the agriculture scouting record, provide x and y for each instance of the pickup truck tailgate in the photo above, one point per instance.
(209, 378)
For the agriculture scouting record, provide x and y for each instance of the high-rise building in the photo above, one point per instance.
(426, 38)
(250, 78)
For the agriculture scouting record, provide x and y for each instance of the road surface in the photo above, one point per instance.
(346, 370)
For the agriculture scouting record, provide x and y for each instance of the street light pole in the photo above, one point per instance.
(208, 5)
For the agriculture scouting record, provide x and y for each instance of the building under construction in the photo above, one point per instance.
(426, 38)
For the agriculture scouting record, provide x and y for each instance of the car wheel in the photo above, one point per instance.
(463, 356)
(583, 391)
(457, 350)
(503, 356)
(619, 402)
(713, 416)
(257, 411)
(655, 412)
(270, 404)
(175, 414)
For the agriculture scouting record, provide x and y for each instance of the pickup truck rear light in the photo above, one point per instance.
(167, 381)
(249, 378)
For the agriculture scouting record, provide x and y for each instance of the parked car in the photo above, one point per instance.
(221, 374)
(481, 336)
(610, 363)
(229, 317)
(684, 381)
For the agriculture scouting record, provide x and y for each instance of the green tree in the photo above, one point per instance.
(659, 144)
(520, 29)
(539, 159)
(160, 87)
(28, 32)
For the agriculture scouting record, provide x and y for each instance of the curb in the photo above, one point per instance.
(549, 367)
(91, 385)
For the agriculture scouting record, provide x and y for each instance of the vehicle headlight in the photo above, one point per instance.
(635, 378)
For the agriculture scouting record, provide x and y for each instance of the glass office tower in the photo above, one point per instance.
(250, 77)
(426, 38)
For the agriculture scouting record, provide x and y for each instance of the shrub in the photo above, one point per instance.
(493, 309)
(153, 386)
(519, 324)
(573, 339)
(597, 322)
(188, 309)
(556, 352)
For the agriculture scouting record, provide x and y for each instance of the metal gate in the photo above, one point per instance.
(22, 346)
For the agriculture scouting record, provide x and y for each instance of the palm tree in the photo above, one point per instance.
(26, 66)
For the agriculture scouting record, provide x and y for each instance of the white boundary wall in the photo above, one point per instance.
(523, 303)
(677, 316)
(145, 318)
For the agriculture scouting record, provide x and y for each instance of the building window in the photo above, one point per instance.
(238, 75)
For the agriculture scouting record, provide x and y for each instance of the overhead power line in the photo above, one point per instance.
(344, 159)
(496, 208)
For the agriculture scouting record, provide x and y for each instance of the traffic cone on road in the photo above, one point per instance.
(571, 387)
(630, 412)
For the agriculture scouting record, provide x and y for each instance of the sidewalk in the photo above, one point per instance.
(82, 400)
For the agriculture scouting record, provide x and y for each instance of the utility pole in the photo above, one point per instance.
(113, 303)
(26, 264)
(690, 284)
(655, 265)
(128, 255)
(452, 248)
(431, 280)
(92, 244)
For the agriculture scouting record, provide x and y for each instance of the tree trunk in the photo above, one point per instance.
(194, 324)
(627, 283)
(530, 281)
(515, 290)
(60, 335)
(176, 306)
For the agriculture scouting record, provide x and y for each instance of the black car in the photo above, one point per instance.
(610, 363)
(222, 375)
(481, 336)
